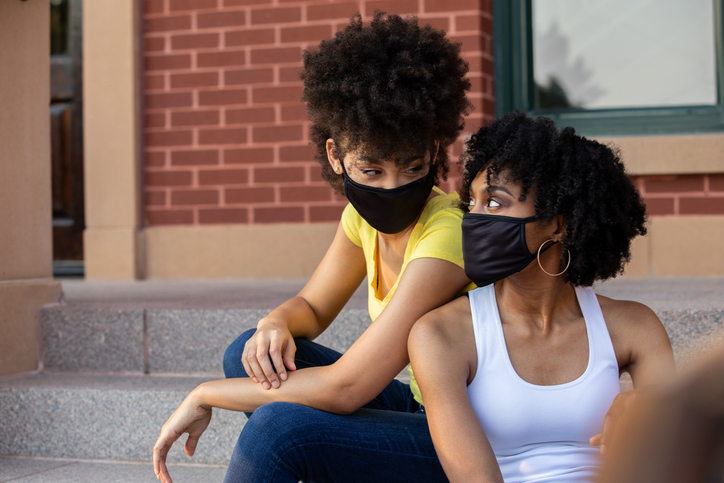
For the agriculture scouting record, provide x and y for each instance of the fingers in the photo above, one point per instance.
(596, 440)
(190, 446)
(160, 450)
(290, 349)
(613, 420)
(265, 356)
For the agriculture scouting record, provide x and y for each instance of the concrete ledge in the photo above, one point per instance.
(104, 417)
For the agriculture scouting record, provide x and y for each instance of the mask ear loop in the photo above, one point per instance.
(541, 266)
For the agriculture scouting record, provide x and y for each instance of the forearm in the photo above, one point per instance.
(297, 315)
(314, 387)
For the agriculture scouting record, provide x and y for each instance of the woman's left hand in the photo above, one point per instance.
(191, 417)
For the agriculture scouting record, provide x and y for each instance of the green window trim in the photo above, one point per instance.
(515, 87)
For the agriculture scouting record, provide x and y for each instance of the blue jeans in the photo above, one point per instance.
(387, 440)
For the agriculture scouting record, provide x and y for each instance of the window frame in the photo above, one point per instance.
(515, 86)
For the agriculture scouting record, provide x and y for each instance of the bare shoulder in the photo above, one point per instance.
(446, 323)
(628, 315)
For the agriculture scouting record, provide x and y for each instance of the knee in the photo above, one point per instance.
(232, 357)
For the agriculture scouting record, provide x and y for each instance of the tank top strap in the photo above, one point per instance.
(598, 336)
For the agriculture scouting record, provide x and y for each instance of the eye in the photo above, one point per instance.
(414, 169)
(370, 172)
(493, 204)
(471, 202)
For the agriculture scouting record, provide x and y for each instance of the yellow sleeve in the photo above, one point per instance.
(441, 238)
(351, 222)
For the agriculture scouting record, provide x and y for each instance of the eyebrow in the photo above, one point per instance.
(373, 160)
(499, 188)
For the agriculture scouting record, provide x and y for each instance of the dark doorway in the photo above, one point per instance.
(66, 131)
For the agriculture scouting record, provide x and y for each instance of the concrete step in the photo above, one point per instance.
(159, 341)
(97, 417)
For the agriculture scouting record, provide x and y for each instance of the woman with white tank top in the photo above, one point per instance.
(518, 376)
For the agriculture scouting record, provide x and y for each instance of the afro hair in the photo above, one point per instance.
(579, 178)
(386, 88)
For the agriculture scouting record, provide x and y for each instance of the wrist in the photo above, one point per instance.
(197, 398)
(268, 322)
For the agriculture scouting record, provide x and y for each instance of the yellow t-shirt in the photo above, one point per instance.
(437, 234)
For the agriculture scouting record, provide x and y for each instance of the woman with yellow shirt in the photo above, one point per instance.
(386, 102)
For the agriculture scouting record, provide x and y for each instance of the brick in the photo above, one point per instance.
(153, 82)
(169, 217)
(154, 158)
(716, 182)
(249, 195)
(223, 177)
(154, 44)
(276, 55)
(488, 107)
(470, 43)
(279, 215)
(290, 74)
(335, 10)
(222, 97)
(313, 33)
(276, 15)
(392, 6)
(306, 193)
(194, 158)
(153, 6)
(222, 136)
(270, 134)
(168, 178)
(674, 184)
(155, 198)
(249, 115)
(303, 152)
(195, 197)
(239, 3)
(474, 22)
(195, 118)
(315, 172)
(296, 112)
(194, 41)
(277, 94)
(159, 101)
(179, 5)
(659, 206)
(167, 62)
(221, 19)
(168, 138)
(319, 214)
(167, 24)
(248, 76)
(154, 120)
(278, 175)
(451, 5)
(701, 205)
(476, 83)
(248, 155)
(249, 37)
(224, 215)
(197, 79)
(220, 59)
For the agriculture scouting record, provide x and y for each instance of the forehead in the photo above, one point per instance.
(401, 158)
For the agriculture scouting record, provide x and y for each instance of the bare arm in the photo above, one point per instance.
(306, 315)
(442, 354)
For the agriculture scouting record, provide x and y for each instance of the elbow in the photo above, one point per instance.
(342, 397)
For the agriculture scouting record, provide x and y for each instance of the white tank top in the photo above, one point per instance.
(541, 433)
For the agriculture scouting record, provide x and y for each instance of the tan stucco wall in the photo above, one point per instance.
(111, 97)
(260, 251)
(25, 198)
(671, 154)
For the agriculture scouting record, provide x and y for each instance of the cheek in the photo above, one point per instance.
(535, 236)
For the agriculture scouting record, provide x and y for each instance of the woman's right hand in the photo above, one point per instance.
(274, 341)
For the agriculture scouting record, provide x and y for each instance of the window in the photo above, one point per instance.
(611, 67)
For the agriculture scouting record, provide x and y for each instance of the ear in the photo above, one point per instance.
(559, 223)
(333, 157)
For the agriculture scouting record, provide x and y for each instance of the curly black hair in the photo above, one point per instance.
(579, 178)
(388, 88)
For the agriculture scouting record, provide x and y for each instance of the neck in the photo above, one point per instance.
(534, 297)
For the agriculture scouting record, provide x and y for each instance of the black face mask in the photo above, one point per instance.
(494, 247)
(389, 210)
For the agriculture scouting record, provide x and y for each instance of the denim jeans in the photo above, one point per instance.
(386, 441)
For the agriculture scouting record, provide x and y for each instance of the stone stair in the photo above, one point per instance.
(118, 358)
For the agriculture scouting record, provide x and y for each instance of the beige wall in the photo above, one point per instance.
(25, 206)
(226, 251)
(673, 154)
(111, 97)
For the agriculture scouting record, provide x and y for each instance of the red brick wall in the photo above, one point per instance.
(682, 195)
(226, 138)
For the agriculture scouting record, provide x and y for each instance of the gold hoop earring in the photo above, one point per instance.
(541, 266)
